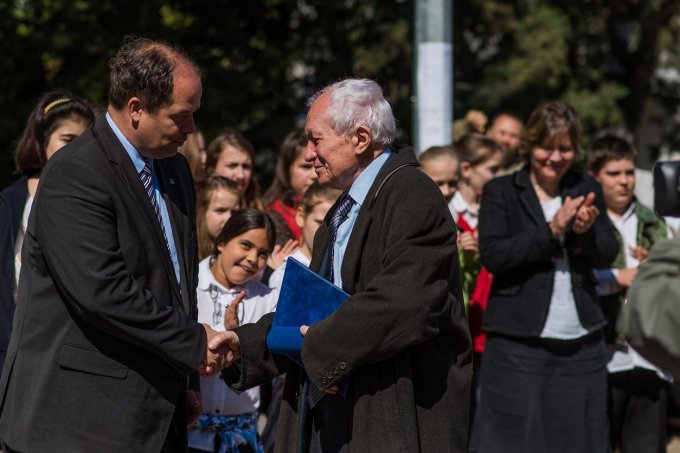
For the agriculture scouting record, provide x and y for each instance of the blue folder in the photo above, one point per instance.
(304, 298)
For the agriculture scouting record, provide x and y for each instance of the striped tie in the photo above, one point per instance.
(145, 174)
(314, 395)
(339, 216)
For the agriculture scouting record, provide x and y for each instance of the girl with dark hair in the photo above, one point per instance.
(293, 176)
(229, 294)
(57, 119)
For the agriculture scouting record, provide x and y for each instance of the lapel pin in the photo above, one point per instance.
(172, 181)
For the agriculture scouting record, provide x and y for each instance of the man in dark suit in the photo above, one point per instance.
(104, 337)
(398, 348)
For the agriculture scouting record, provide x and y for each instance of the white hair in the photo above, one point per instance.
(359, 102)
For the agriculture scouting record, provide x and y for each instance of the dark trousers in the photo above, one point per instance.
(638, 404)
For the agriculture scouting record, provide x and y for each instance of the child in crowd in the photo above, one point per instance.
(638, 390)
(293, 176)
(217, 198)
(231, 155)
(441, 164)
(479, 160)
(311, 211)
(229, 295)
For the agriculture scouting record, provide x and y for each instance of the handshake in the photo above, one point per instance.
(221, 350)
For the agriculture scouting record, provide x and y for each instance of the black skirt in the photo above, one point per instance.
(542, 396)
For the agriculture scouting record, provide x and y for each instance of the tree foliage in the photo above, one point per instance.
(262, 58)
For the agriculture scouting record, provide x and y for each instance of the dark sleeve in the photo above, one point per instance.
(408, 300)
(76, 227)
(598, 245)
(650, 318)
(505, 245)
(257, 364)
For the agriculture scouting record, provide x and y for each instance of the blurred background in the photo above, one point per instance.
(616, 61)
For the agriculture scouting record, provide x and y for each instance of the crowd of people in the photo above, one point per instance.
(529, 244)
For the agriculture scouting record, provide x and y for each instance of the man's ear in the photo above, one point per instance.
(135, 108)
(362, 139)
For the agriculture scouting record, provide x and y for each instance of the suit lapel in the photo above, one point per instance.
(357, 238)
(528, 198)
(180, 225)
(130, 179)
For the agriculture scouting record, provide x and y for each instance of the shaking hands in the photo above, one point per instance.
(222, 349)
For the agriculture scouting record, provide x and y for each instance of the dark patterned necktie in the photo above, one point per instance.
(145, 174)
(339, 216)
(341, 213)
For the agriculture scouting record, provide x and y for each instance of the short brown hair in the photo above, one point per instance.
(607, 148)
(145, 68)
(549, 120)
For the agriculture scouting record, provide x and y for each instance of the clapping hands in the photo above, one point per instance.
(580, 209)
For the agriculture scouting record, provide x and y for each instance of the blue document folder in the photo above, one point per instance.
(304, 298)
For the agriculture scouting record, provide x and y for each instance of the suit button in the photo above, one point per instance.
(329, 375)
(343, 366)
(336, 371)
(324, 381)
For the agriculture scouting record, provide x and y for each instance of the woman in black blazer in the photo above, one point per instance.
(542, 230)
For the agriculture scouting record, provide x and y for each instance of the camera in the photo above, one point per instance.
(667, 188)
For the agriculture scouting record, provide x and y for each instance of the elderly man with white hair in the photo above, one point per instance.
(390, 370)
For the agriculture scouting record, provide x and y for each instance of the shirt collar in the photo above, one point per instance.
(137, 159)
(460, 205)
(364, 181)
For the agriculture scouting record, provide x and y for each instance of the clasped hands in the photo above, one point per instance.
(222, 349)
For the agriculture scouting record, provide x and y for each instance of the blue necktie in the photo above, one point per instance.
(339, 216)
(145, 174)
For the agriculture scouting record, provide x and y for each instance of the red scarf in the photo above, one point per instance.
(479, 297)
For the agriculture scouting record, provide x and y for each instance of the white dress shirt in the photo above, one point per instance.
(213, 298)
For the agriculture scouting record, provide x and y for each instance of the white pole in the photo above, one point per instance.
(433, 114)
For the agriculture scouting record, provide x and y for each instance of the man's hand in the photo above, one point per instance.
(227, 346)
(625, 277)
(194, 406)
(213, 361)
(231, 313)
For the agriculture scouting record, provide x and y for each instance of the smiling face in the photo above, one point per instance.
(302, 174)
(506, 131)
(335, 159)
(160, 134)
(65, 132)
(550, 161)
(617, 178)
(235, 164)
(222, 205)
(241, 258)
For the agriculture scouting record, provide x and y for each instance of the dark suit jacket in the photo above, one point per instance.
(516, 245)
(12, 202)
(401, 338)
(103, 337)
